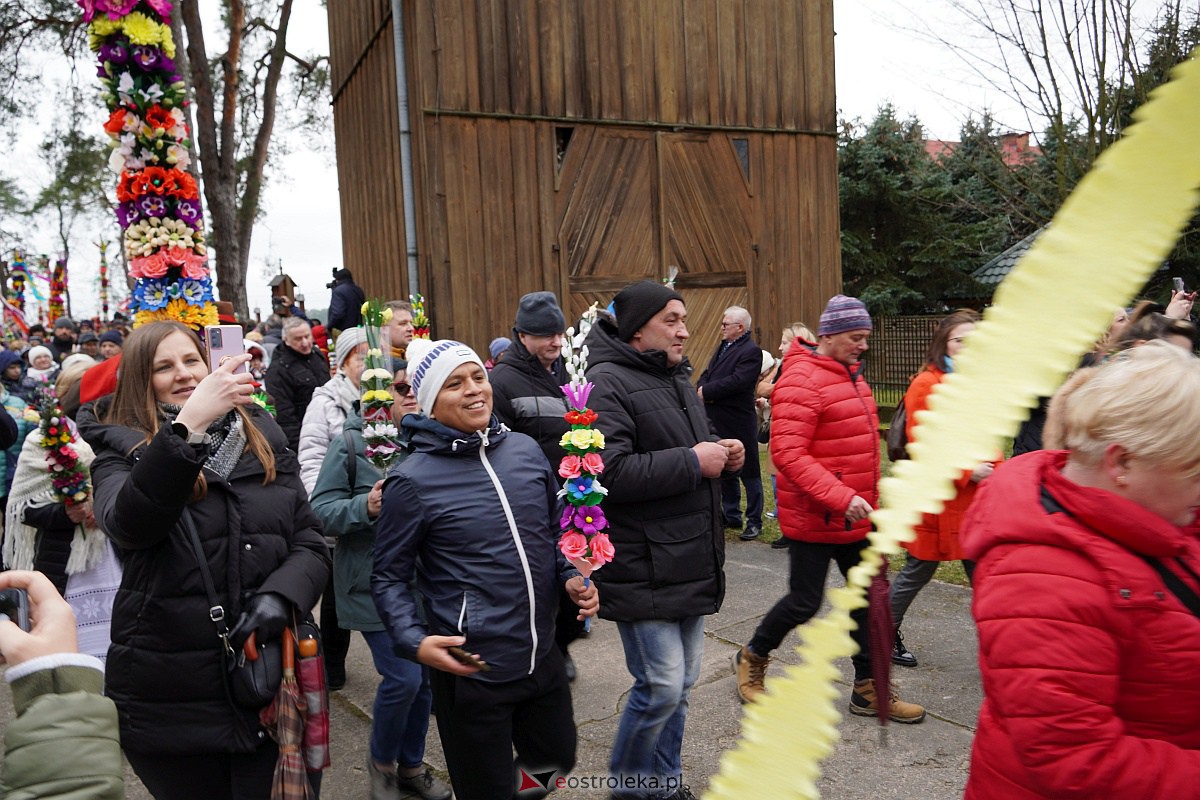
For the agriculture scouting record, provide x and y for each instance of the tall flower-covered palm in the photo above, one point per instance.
(159, 202)
(583, 540)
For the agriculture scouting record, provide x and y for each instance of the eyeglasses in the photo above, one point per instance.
(402, 389)
(729, 324)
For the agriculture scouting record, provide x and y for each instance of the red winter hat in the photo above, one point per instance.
(99, 380)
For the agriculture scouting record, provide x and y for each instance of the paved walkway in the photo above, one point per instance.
(926, 761)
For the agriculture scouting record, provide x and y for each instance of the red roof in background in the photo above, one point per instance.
(1014, 147)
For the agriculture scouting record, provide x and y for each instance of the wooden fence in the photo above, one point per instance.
(897, 353)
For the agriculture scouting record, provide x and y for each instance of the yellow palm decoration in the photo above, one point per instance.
(1101, 247)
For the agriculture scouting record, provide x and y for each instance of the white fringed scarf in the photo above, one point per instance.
(32, 488)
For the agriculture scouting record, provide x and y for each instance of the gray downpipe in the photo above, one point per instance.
(406, 161)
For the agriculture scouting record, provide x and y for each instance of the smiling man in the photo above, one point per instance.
(662, 468)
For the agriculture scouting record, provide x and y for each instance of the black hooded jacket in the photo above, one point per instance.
(529, 398)
(165, 668)
(664, 517)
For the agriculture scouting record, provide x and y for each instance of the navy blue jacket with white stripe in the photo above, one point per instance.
(478, 516)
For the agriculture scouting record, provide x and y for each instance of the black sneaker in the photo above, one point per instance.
(780, 544)
(901, 654)
(751, 533)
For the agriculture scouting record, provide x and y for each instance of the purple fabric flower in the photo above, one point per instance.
(151, 205)
(127, 213)
(147, 57)
(568, 514)
(115, 49)
(578, 397)
(589, 519)
(188, 211)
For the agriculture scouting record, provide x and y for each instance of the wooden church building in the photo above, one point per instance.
(489, 148)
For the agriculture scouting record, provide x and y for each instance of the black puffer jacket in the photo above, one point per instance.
(480, 574)
(291, 381)
(664, 517)
(165, 668)
(528, 398)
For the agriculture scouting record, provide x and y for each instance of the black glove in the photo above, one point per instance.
(266, 614)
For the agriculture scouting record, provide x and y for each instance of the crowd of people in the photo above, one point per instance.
(1080, 549)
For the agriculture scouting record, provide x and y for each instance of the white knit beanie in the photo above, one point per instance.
(347, 341)
(430, 364)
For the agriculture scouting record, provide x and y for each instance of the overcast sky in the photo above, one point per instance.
(881, 56)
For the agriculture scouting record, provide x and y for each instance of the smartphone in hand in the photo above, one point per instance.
(466, 659)
(14, 606)
(1178, 283)
(224, 341)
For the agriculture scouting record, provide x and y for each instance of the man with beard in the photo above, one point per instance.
(62, 344)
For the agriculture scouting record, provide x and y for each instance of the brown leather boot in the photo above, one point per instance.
(750, 670)
(864, 701)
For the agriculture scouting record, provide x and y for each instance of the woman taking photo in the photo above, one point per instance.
(474, 510)
(1087, 591)
(937, 534)
(176, 442)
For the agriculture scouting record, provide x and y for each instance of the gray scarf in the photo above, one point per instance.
(225, 437)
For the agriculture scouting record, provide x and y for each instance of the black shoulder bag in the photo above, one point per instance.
(1178, 588)
(256, 670)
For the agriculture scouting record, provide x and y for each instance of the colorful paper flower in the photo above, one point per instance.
(589, 519)
(570, 466)
(574, 545)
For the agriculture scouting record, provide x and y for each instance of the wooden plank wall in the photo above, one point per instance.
(491, 80)
(366, 125)
(764, 64)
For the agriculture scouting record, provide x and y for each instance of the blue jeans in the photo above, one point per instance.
(663, 656)
(402, 704)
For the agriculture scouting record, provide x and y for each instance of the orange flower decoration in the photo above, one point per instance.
(116, 122)
(159, 117)
(182, 186)
(125, 191)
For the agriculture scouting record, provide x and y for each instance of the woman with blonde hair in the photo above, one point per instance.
(1087, 595)
(186, 461)
(797, 331)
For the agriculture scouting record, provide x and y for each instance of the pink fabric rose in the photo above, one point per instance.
(593, 464)
(569, 467)
(154, 266)
(574, 545)
(602, 550)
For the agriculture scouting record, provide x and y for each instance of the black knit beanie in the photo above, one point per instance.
(637, 303)
(538, 314)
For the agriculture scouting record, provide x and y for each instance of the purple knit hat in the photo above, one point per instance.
(843, 314)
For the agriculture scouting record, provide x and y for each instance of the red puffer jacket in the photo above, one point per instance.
(825, 444)
(1089, 661)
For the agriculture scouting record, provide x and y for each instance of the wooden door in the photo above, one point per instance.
(631, 203)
